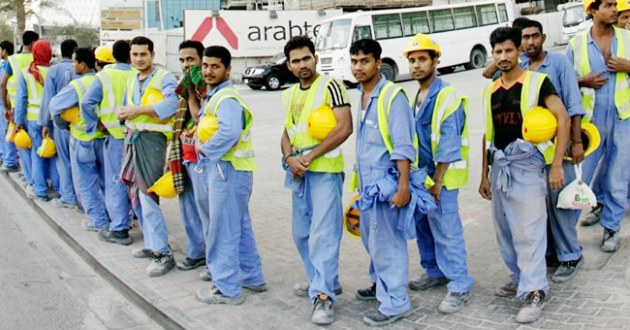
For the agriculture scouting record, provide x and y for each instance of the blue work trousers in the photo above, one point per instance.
(116, 198)
(9, 152)
(25, 162)
(232, 256)
(62, 162)
(441, 243)
(86, 158)
(42, 169)
(189, 210)
(152, 223)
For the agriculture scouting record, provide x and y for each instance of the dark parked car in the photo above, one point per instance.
(271, 74)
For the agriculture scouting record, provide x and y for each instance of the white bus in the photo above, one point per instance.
(574, 20)
(461, 30)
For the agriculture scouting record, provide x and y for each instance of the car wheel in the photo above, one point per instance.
(255, 87)
(477, 59)
(273, 82)
(388, 71)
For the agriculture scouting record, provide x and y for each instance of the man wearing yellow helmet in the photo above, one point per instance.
(104, 56)
(441, 124)
(516, 183)
(623, 14)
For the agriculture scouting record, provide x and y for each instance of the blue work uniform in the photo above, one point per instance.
(440, 232)
(10, 152)
(385, 243)
(86, 161)
(611, 159)
(231, 252)
(58, 77)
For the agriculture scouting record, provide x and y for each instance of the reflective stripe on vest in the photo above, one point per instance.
(582, 67)
(242, 154)
(35, 90)
(78, 130)
(446, 104)
(114, 82)
(330, 162)
(145, 122)
(529, 99)
(18, 63)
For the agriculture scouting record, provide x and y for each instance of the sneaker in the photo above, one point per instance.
(376, 319)
(42, 199)
(366, 294)
(255, 288)
(59, 203)
(205, 276)
(593, 217)
(301, 289)
(142, 253)
(532, 308)
(610, 241)
(8, 169)
(567, 270)
(161, 265)
(552, 261)
(87, 225)
(117, 237)
(507, 290)
(214, 296)
(189, 263)
(323, 312)
(453, 302)
(425, 282)
(30, 192)
(78, 208)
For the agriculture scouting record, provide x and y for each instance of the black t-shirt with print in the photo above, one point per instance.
(506, 111)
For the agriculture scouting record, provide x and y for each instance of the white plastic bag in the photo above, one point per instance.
(576, 195)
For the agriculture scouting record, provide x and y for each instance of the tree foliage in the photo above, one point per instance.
(25, 8)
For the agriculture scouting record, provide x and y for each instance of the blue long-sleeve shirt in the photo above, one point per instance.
(372, 155)
(58, 76)
(450, 145)
(164, 108)
(66, 98)
(231, 122)
(563, 78)
(93, 97)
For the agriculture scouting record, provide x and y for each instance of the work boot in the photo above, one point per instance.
(301, 289)
(161, 265)
(8, 169)
(214, 296)
(87, 225)
(190, 263)
(255, 288)
(117, 237)
(508, 290)
(205, 276)
(142, 253)
(454, 302)
(594, 216)
(610, 241)
(367, 294)
(376, 319)
(323, 311)
(425, 282)
(532, 308)
(567, 270)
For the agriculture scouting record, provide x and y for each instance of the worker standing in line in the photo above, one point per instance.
(9, 152)
(60, 75)
(149, 128)
(99, 109)
(441, 124)
(229, 160)
(516, 184)
(27, 107)
(315, 175)
(600, 56)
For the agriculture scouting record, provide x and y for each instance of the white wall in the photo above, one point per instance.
(552, 26)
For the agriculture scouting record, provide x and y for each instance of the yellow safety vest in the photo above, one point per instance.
(145, 122)
(242, 154)
(529, 99)
(330, 162)
(78, 130)
(448, 101)
(35, 90)
(581, 65)
(114, 82)
(18, 63)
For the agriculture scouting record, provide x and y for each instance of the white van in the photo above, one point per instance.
(574, 20)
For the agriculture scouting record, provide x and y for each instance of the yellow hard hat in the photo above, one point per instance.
(622, 5)
(208, 125)
(320, 122)
(104, 54)
(22, 140)
(10, 132)
(151, 97)
(539, 125)
(590, 139)
(47, 149)
(421, 42)
(164, 186)
(351, 218)
(587, 3)
(71, 115)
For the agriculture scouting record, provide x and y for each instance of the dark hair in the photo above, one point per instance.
(120, 50)
(531, 23)
(502, 34)
(29, 37)
(67, 48)
(298, 42)
(220, 52)
(140, 40)
(367, 46)
(85, 55)
(594, 5)
(192, 44)
(519, 23)
(8, 46)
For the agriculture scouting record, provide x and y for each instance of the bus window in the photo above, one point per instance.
(414, 23)
(333, 35)
(503, 16)
(465, 17)
(442, 20)
(361, 32)
(387, 26)
(487, 15)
